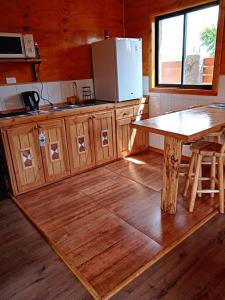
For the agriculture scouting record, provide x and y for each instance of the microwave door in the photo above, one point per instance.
(11, 46)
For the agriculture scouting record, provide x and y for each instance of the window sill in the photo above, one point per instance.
(184, 91)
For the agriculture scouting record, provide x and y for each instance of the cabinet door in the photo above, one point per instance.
(54, 149)
(26, 157)
(139, 137)
(80, 142)
(104, 137)
(124, 137)
(130, 140)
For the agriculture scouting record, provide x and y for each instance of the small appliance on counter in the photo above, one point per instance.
(117, 68)
(31, 100)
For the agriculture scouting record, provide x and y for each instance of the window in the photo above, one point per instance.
(185, 47)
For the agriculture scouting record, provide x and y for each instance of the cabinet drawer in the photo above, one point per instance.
(140, 109)
(124, 113)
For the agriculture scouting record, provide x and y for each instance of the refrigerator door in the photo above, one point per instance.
(104, 69)
(129, 68)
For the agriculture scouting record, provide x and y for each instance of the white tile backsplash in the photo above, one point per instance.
(42, 90)
(54, 92)
(9, 97)
(58, 91)
(84, 82)
(67, 89)
(154, 105)
(145, 85)
(165, 103)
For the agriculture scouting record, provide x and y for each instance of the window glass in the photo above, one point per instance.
(200, 46)
(170, 53)
(185, 47)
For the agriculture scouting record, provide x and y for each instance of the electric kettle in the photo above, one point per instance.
(31, 100)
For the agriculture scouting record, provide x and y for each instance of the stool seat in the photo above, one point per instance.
(212, 149)
(197, 146)
(216, 135)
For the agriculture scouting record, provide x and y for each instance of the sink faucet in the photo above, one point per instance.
(76, 97)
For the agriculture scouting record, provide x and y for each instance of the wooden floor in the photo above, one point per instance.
(29, 268)
(107, 225)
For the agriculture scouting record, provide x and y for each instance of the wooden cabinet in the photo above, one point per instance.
(34, 163)
(26, 157)
(91, 140)
(80, 142)
(140, 140)
(124, 137)
(104, 137)
(54, 149)
(47, 151)
(125, 112)
(130, 141)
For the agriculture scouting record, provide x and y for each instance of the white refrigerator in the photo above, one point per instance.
(117, 68)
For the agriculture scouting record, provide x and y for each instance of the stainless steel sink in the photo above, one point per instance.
(63, 107)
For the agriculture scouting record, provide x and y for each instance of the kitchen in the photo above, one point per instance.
(89, 174)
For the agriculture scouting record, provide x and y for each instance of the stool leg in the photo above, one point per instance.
(195, 183)
(221, 184)
(213, 175)
(200, 182)
(189, 175)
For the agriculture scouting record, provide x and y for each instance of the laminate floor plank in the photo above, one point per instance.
(107, 225)
(193, 270)
(166, 279)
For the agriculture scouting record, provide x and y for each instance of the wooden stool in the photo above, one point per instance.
(217, 136)
(216, 152)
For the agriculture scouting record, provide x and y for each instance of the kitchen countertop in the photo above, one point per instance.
(44, 114)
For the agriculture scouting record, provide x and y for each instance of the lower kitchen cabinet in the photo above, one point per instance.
(104, 137)
(140, 138)
(91, 140)
(130, 140)
(26, 159)
(49, 150)
(54, 149)
(80, 142)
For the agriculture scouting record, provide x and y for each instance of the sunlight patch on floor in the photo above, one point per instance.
(135, 161)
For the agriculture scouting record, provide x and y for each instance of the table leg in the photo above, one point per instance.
(172, 158)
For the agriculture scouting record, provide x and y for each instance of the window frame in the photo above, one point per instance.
(184, 87)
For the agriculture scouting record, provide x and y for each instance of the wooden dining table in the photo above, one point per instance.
(178, 127)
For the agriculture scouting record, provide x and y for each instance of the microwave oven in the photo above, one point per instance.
(16, 45)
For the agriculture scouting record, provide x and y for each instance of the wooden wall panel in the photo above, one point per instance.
(64, 30)
(137, 22)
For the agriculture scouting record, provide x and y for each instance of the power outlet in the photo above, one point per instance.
(10, 80)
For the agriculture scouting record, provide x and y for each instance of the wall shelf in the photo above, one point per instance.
(33, 61)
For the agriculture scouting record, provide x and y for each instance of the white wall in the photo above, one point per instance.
(56, 92)
(161, 103)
